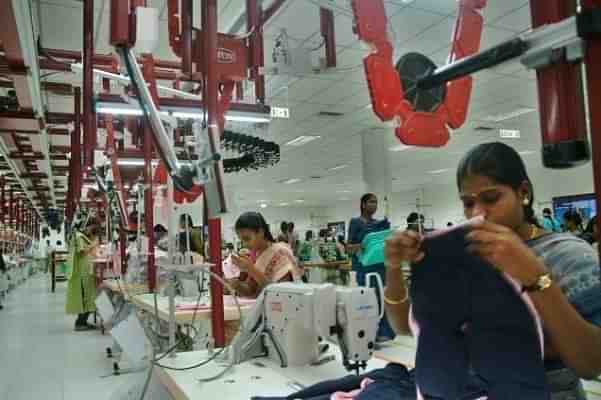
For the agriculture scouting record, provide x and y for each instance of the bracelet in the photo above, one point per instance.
(396, 302)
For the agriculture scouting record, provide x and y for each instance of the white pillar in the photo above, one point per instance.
(377, 173)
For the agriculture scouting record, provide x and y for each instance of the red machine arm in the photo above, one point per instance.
(393, 89)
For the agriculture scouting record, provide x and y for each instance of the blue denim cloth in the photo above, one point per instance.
(472, 321)
(394, 382)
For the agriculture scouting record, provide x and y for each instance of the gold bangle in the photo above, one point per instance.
(396, 302)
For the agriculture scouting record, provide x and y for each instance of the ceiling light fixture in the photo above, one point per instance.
(263, 205)
(527, 153)
(439, 171)
(509, 115)
(302, 140)
(299, 201)
(284, 204)
(180, 112)
(134, 162)
(291, 181)
(338, 167)
(399, 147)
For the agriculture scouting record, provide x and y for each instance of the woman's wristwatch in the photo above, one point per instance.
(543, 282)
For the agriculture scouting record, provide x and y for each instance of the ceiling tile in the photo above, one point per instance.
(410, 22)
(518, 20)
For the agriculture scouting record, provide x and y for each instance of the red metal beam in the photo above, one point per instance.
(593, 66)
(328, 35)
(104, 59)
(186, 35)
(9, 36)
(34, 175)
(210, 93)
(89, 130)
(270, 12)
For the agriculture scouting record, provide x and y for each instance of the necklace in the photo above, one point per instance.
(533, 232)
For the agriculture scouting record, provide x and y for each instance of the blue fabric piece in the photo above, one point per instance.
(451, 290)
(358, 229)
(372, 251)
(392, 382)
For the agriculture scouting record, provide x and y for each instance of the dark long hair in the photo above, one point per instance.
(501, 163)
(255, 222)
(364, 199)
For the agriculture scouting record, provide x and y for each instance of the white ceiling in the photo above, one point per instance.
(422, 25)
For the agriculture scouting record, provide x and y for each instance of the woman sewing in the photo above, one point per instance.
(268, 261)
(81, 290)
(560, 271)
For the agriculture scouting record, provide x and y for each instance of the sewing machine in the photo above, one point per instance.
(292, 322)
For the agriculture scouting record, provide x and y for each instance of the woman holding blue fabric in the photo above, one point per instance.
(359, 227)
(559, 271)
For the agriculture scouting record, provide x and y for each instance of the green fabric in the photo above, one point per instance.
(305, 251)
(372, 246)
(81, 289)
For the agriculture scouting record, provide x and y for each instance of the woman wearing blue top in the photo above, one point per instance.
(560, 271)
(359, 227)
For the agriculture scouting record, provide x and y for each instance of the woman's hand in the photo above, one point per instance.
(505, 250)
(353, 248)
(403, 247)
(242, 262)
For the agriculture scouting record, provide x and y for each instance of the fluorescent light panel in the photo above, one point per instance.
(179, 112)
(291, 181)
(338, 167)
(399, 147)
(509, 115)
(302, 140)
(439, 171)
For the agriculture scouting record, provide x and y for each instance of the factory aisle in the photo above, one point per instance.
(41, 357)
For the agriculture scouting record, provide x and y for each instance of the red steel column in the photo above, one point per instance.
(148, 147)
(254, 23)
(186, 17)
(76, 150)
(210, 93)
(3, 199)
(88, 85)
(593, 66)
(326, 17)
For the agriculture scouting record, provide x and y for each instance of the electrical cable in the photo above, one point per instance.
(323, 43)
(235, 297)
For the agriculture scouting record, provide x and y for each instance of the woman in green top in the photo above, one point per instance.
(81, 290)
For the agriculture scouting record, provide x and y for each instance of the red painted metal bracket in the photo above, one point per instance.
(429, 129)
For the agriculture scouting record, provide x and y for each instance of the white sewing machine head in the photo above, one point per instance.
(292, 322)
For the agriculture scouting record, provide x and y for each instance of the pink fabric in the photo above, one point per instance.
(351, 395)
(277, 261)
(230, 270)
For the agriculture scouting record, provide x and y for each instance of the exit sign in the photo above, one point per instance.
(509, 133)
(280, 112)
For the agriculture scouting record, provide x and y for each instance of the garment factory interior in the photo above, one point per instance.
(300, 199)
